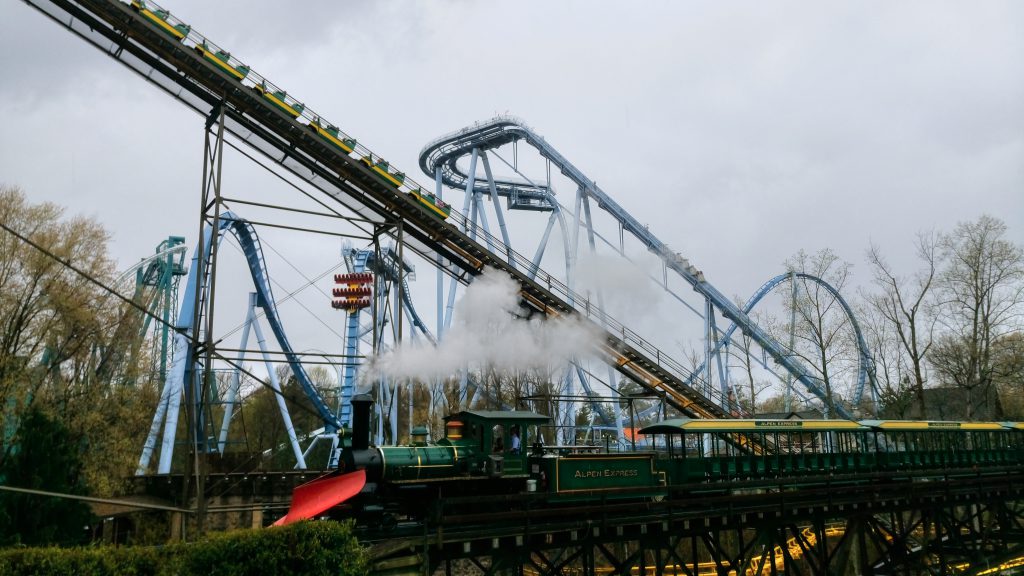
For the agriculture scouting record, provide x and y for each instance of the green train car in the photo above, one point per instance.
(279, 99)
(332, 136)
(436, 206)
(706, 450)
(222, 60)
(489, 453)
(383, 169)
(162, 20)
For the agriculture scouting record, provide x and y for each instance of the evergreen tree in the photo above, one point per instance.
(43, 460)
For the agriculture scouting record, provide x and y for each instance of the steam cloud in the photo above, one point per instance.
(487, 331)
(626, 286)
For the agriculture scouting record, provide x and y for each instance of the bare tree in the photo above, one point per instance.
(750, 388)
(824, 338)
(903, 303)
(981, 297)
(894, 388)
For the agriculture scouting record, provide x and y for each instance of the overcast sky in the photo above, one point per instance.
(739, 132)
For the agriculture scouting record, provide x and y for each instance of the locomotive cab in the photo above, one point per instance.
(497, 437)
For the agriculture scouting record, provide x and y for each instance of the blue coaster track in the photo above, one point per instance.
(441, 156)
(865, 363)
(184, 374)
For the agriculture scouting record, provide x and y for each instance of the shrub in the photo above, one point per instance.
(98, 561)
(303, 549)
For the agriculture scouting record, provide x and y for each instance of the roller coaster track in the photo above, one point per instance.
(178, 378)
(178, 69)
(155, 282)
(441, 156)
(866, 365)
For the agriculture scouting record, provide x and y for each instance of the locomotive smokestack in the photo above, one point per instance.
(361, 404)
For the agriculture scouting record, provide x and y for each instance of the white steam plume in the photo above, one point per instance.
(626, 285)
(487, 331)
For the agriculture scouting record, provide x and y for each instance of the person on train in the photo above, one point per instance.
(515, 440)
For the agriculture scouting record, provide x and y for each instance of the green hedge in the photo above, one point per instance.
(98, 561)
(306, 548)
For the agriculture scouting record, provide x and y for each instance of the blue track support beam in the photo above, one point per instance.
(352, 337)
(250, 244)
(499, 215)
(182, 373)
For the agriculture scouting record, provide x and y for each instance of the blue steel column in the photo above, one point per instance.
(471, 193)
(396, 337)
(709, 341)
(275, 384)
(466, 229)
(788, 398)
(712, 336)
(174, 388)
(612, 384)
(570, 371)
(479, 214)
(236, 379)
(439, 297)
(470, 228)
(438, 187)
(352, 336)
(542, 246)
(377, 335)
(497, 206)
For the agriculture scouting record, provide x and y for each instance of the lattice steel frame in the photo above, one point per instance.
(888, 526)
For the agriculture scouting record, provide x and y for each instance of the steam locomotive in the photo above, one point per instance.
(495, 453)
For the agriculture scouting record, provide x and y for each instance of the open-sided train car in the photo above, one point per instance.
(702, 448)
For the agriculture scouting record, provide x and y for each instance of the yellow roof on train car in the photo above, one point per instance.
(933, 425)
(680, 425)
